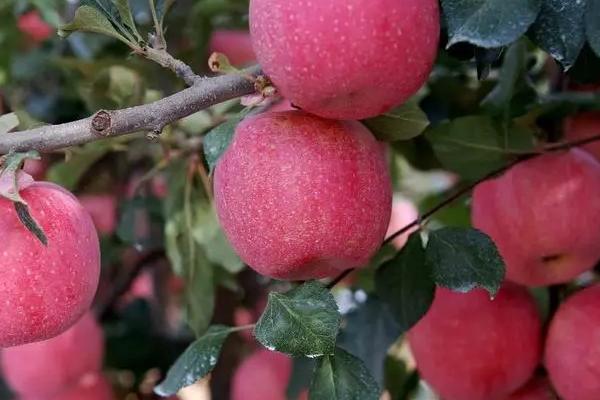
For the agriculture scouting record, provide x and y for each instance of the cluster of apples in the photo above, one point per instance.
(307, 194)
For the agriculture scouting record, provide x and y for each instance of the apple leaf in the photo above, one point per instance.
(489, 23)
(369, 331)
(90, 19)
(217, 140)
(302, 371)
(342, 376)
(592, 25)
(302, 322)
(402, 123)
(406, 283)
(560, 29)
(465, 258)
(196, 362)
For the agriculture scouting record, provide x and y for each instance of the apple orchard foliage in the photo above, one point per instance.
(428, 146)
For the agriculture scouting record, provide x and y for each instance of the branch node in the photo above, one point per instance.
(101, 123)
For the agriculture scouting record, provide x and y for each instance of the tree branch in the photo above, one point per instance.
(166, 60)
(151, 117)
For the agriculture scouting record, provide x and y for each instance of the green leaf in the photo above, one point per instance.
(127, 18)
(8, 122)
(406, 283)
(68, 173)
(12, 178)
(196, 362)
(402, 123)
(302, 322)
(474, 145)
(592, 25)
(560, 29)
(342, 377)
(90, 19)
(369, 331)
(489, 23)
(217, 140)
(302, 370)
(463, 259)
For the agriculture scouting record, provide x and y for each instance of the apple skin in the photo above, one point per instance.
(103, 210)
(45, 290)
(43, 369)
(582, 126)
(537, 389)
(351, 59)
(403, 213)
(90, 387)
(468, 347)
(543, 215)
(301, 197)
(572, 355)
(235, 44)
(34, 26)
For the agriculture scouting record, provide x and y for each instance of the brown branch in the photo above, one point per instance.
(151, 117)
(166, 60)
(554, 147)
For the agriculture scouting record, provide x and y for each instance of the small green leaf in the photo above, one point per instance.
(217, 140)
(560, 29)
(474, 145)
(342, 377)
(302, 322)
(592, 25)
(196, 362)
(127, 18)
(402, 123)
(12, 178)
(463, 259)
(406, 283)
(90, 19)
(489, 23)
(8, 122)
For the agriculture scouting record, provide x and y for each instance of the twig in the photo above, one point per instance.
(166, 60)
(151, 117)
(468, 188)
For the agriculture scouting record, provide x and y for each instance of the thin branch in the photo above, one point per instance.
(166, 60)
(554, 147)
(151, 117)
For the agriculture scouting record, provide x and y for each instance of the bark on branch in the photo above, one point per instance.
(152, 117)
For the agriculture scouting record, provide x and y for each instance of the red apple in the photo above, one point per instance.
(44, 290)
(90, 387)
(468, 347)
(543, 215)
(235, 44)
(537, 389)
(44, 369)
(302, 197)
(582, 126)
(103, 210)
(573, 346)
(346, 59)
(403, 213)
(34, 26)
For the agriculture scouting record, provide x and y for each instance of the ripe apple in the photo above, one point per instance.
(346, 59)
(263, 376)
(90, 387)
(302, 197)
(543, 215)
(468, 347)
(46, 289)
(582, 126)
(403, 213)
(537, 389)
(103, 210)
(34, 26)
(572, 355)
(44, 369)
(235, 44)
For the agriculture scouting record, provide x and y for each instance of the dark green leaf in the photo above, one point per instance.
(369, 332)
(474, 145)
(217, 140)
(342, 377)
(560, 29)
(196, 362)
(399, 381)
(302, 371)
(402, 123)
(406, 283)
(489, 23)
(585, 70)
(90, 19)
(463, 259)
(484, 59)
(592, 25)
(30, 223)
(302, 322)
